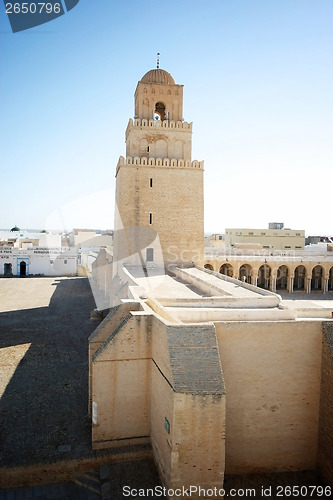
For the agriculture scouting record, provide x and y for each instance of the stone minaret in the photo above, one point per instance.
(159, 189)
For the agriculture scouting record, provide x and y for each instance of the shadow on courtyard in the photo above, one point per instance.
(44, 405)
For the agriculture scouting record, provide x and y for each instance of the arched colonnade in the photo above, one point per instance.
(304, 277)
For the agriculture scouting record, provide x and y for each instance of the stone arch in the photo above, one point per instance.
(330, 280)
(144, 122)
(299, 278)
(264, 276)
(166, 162)
(209, 266)
(159, 162)
(282, 278)
(317, 278)
(159, 111)
(245, 273)
(227, 270)
(174, 162)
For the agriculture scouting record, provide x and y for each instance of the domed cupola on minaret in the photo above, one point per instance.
(158, 97)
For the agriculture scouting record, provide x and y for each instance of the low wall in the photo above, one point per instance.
(202, 315)
(103, 331)
(120, 384)
(222, 302)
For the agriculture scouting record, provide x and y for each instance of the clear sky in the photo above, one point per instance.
(258, 82)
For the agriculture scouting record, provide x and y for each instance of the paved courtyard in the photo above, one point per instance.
(44, 327)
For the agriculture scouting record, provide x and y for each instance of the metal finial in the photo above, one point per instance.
(158, 60)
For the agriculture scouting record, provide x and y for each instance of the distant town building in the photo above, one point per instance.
(33, 253)
(215, 240)
(37, 261)
(28, 239)
(314, 240)
(275, 237)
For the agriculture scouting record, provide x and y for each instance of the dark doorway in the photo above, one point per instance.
(264, 276)
(245, 273)
(23, 268)
(282, 278)
(227, 270)
(317, 279)
(299, 278)
(7, 271)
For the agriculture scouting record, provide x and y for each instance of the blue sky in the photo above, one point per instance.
(258, 79)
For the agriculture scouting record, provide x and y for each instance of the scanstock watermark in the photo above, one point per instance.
(197, 491)
(185, 492)
(26, 14)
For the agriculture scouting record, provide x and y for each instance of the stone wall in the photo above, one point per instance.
(166, 202)
(272, 373)
(325, 440)
(104, 331)
(121, 384)
(188, 406)
(198, 452)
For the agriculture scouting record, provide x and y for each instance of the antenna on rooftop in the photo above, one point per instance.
(158, 60)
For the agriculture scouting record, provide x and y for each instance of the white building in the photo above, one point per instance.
(54, 261)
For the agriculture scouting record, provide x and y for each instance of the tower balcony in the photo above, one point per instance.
(158, 124)
(136, 161)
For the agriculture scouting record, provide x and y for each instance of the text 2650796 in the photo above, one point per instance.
(33, 8)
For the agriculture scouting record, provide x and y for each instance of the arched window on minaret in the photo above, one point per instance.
(159, 113)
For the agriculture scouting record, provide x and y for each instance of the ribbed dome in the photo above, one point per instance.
(158, 76)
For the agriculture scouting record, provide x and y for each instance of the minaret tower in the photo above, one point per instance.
(159, 189)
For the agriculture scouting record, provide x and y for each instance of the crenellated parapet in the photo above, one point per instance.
(158, 124)
(136, 161)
